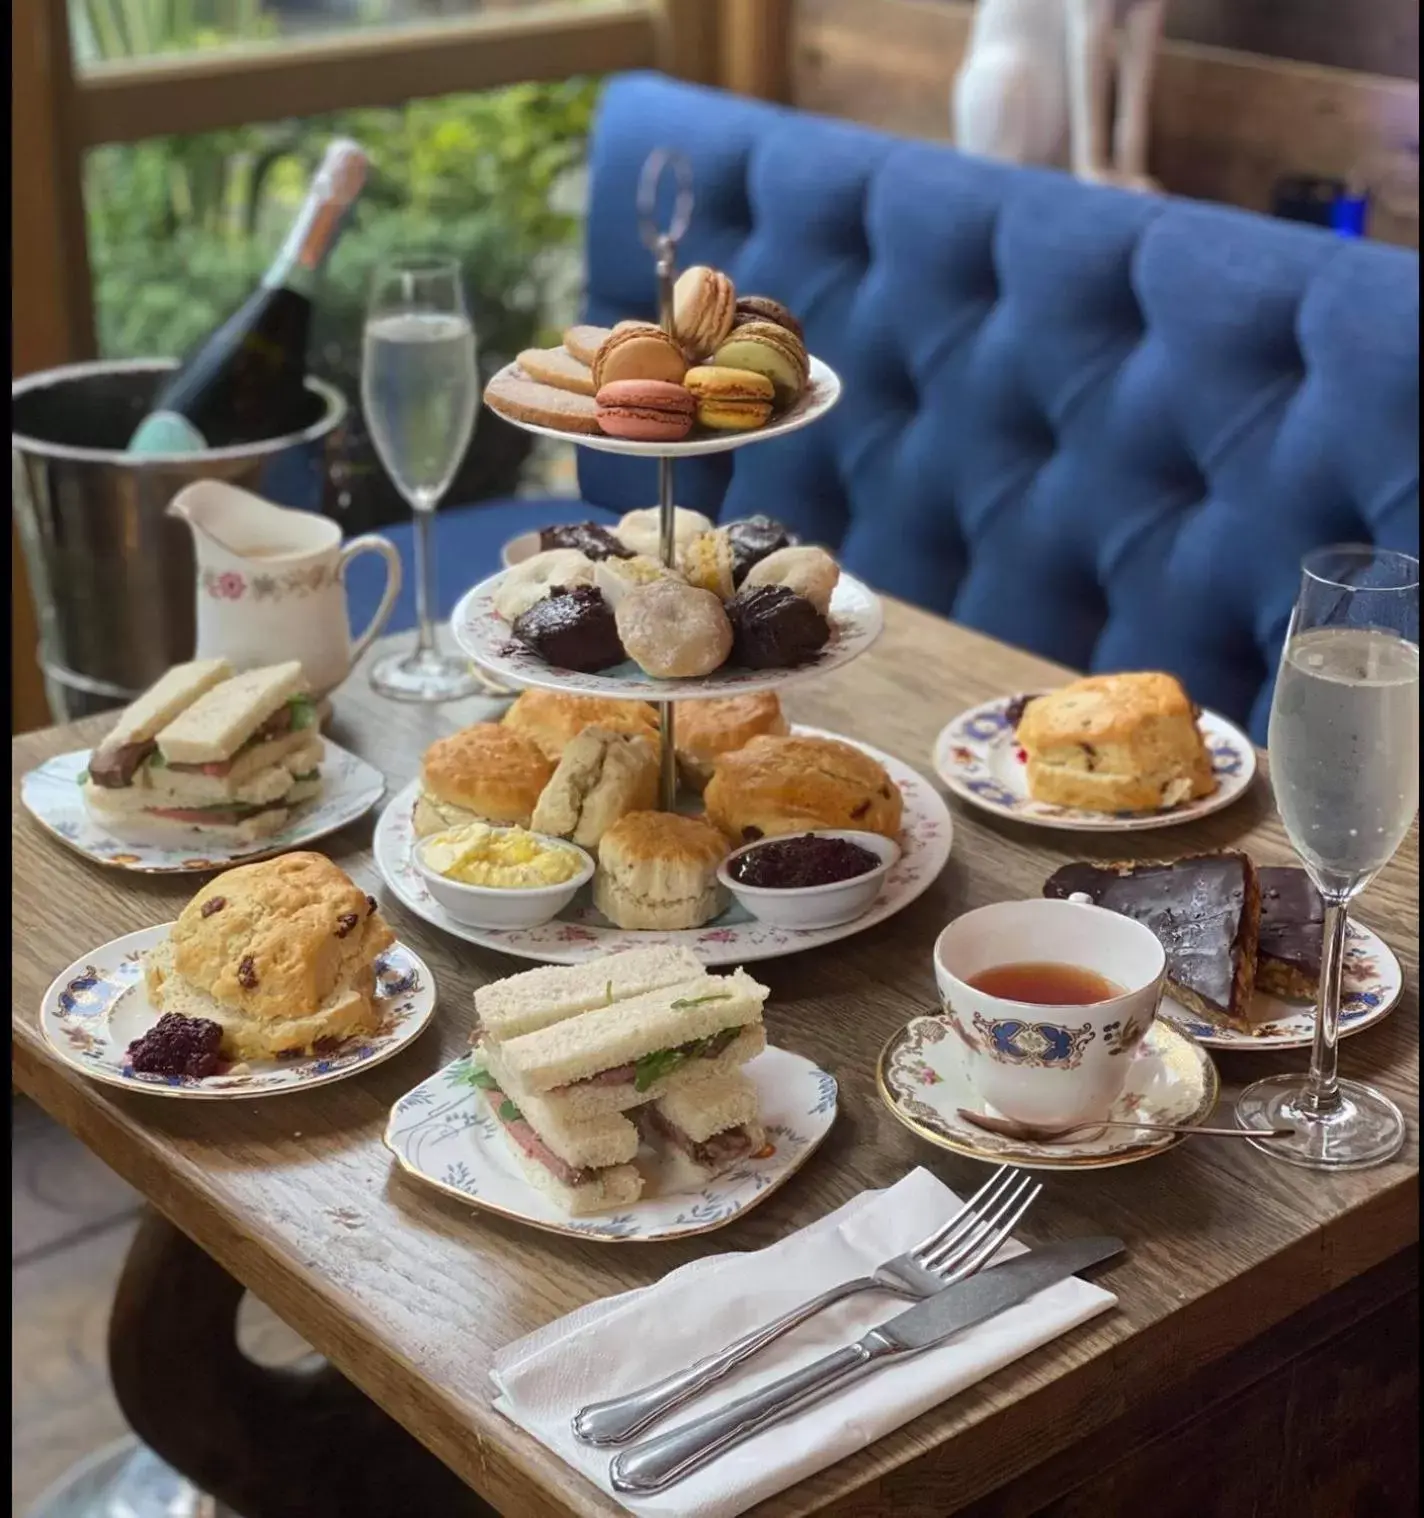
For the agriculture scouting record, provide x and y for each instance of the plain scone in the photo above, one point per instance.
(659, 870)
(1115, 743)
(280, 954)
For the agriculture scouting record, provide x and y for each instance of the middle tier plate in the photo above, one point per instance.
(856, 620)
(580, 932)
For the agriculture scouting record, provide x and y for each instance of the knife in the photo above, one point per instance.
(656, 1463)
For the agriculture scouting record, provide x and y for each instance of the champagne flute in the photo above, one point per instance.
(420, 391)
(1343, 747)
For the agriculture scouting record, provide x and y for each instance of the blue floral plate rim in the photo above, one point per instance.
(974, 756)
(77, 1011)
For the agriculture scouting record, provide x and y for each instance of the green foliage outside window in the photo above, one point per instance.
(182, 227)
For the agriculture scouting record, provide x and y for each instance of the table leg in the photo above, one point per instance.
(269, 1443)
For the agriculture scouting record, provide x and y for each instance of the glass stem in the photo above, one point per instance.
(424, 586)
(1322, 1095)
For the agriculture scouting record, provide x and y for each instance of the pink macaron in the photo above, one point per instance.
(645, 411)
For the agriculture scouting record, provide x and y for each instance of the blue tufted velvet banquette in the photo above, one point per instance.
(1100, 426)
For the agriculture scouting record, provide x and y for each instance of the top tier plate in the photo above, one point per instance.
(822, 391)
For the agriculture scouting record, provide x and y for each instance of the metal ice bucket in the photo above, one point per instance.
(112, 576)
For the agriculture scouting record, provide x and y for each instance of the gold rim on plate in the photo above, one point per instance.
(1179, 1045)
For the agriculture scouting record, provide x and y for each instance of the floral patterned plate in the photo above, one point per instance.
(923, 1078)
(823, 390)
(444, 1134)
(978, 758)
(51, 796)
(581, 932)
(98, 1006)
(856, 619)
(1373, 983)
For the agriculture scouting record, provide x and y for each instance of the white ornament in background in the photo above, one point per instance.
(1062, 83)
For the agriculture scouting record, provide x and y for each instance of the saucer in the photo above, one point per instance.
(923, 1078)
(442, 1133)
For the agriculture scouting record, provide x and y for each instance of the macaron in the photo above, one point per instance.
(645, 411)
(762, 308)
(638, 351)
(730, 400)
(767, 349)
(703, 303)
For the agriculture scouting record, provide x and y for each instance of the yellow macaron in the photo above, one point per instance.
(730, 400)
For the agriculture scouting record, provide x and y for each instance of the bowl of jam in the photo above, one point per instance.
(810, 880)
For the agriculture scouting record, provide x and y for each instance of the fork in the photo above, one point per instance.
(962, 1246)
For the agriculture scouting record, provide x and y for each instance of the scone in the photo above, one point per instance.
(601, 777)
(789, 785)
(281, 955)
(706, 730)
(659, 870)
(1115, 743)
(552, 720)
(485, 773)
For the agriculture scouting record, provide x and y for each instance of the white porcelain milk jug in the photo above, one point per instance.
(271, 583)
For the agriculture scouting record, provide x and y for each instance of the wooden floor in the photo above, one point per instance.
(72, 1219)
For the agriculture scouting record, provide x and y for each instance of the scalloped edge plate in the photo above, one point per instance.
(50, 793)
(442, 1134)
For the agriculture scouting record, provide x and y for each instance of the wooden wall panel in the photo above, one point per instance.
(1225, 125)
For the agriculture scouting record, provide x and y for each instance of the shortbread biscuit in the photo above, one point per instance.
(583, 342)
(513, 395)
(557, 367)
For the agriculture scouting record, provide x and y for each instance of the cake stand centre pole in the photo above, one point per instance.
(662, 244)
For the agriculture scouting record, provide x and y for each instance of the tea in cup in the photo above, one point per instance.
(1050, 999)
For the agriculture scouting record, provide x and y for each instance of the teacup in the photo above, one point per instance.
(1051, 1065)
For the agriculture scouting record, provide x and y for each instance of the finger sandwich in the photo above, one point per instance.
(705, 1128)
(633, 1051)
(208, 754)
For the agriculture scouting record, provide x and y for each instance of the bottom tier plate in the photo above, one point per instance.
(581, 932)
(442, 1133)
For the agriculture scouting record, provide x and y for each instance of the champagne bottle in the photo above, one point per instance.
(244, 382)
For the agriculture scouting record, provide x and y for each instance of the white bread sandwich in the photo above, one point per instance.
(634, 1051)
(281, 955)
(206, 754)
(704, 1128)
(584, 1165)
(535, 999)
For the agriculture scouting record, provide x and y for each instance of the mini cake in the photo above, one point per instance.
(752, 539)
(1115, 743)
(774, 628)
(572, 629)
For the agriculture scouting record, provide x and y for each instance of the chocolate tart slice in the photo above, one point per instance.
(1205, 911)
(1292, 934)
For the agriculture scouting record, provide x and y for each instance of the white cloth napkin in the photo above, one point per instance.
(622, 1343)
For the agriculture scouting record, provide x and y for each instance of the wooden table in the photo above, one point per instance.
(1263, 1310)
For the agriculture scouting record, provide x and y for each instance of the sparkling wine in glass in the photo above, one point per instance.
(1343, 747)
(420, 391)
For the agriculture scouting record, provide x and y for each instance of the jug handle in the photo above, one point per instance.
(374, 543)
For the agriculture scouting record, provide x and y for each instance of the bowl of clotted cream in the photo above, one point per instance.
(501, 877)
